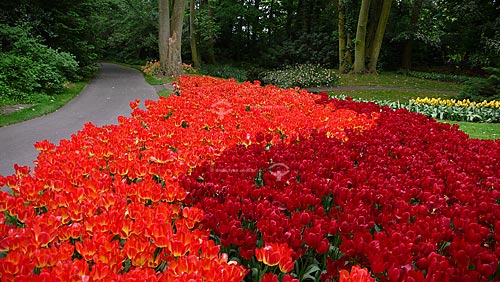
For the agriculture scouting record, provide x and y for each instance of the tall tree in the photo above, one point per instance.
(170, 35)
(360, 44)
(367, 48)
(376, 44)
(343, 51)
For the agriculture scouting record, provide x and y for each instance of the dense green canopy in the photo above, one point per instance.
(267, 33)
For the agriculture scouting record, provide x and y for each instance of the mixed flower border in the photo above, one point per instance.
(230, 182)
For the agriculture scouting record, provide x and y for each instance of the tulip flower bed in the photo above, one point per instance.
(412, 199)
(107, 204)
(232, 182)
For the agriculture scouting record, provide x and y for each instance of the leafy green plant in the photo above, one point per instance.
(479, 89)
(307, 75)
(28, 66)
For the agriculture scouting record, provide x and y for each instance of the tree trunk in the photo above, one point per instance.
(373, 19)
(407, 54)
(172, 64)
(359, 54)
(342, 38)
(379, 36)
(164, 32)
(195, 55)
(408, 44)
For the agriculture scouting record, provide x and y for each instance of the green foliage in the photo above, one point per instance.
(63, 25)
(224, 71)
(480, 89)
(28, 66)
(128, 30)
(436, 76)
(310, 48)
(307, 75)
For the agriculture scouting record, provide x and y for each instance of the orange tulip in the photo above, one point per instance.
(357, 274)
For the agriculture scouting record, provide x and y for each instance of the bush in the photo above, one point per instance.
(480, 89)
(9, 95)
(307, 75)
(224, 71)
(29, 66)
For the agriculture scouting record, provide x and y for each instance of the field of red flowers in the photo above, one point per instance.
(232, 182)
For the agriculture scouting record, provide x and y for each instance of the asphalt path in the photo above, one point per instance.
(106, 97)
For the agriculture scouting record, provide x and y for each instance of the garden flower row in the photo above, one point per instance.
(459, 103)
(232, 182)
(447, 109)
(106, 205)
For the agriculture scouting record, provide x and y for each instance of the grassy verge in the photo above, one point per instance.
(165, 93)
(478, 130)
(44, 104)
(390, 94)
(396, 80)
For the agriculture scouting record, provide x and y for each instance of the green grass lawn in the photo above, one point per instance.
(478, 130)
(43, 104)
(165, 93)
(396, 80)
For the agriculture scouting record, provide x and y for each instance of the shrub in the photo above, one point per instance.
(29, 66)
(307, 75)
(479, 89)
(224, 71)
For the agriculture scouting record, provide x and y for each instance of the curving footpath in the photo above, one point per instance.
(106, 97)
